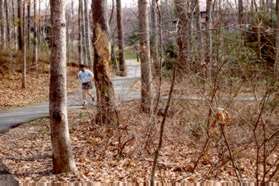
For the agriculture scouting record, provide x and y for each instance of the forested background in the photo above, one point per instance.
(208, 89)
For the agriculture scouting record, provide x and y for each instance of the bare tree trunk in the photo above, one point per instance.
(190, 44)
(106, 107)
(8, 32)
(181, 7)
(240, 12)
(68, 35)
(35, 47)
(199, 32)
(21, 41)
(63, 160)
(146, 89)
(208, 39)
(154, 39)
(276, 65)
(87, 34)
(80, 31)
(14, 24)
(122, 65)
(72, 24)
(28, 25)
(2, 25)
(85, 54)
(39, 25)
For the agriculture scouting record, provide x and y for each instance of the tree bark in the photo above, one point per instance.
(240, 12)
(181, 7)
(154, 39)
(199, 32)
(276, 65)
(87, 34)
(68, 35)
(122, 65)
(21, 42)
(208, 39)
(8, 32)
(106, 107)
(80, 31)
(28, 25)
(14, 24)
(2, 25)
(146, 89)
(35, 47)
(63, 160)
(85, 54)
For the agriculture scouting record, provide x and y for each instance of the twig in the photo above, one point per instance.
(230, 153)
(156, 155)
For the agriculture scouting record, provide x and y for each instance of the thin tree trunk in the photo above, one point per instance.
(240, 12)
(63, 160)
(154, 39)
(21, 42)
(208, 39)
(28, 25)
(35, 47)
(87, 34)
(106, 107)
(39, 25)
(276, 65)
(14, 24)
(199, 32)
(80, 25)
(72, 33)
(7, 22)
(68, 35)
(181, 7)
(146, 89)
(2, 25)
(122, 65)
(85, 58)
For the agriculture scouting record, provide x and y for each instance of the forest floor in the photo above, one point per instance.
(37, 83)
(101, 157)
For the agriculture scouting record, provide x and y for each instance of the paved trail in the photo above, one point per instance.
(123, 87)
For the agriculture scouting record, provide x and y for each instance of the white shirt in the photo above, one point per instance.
(85, 76)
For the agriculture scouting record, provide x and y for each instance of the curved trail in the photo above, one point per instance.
(124, 89)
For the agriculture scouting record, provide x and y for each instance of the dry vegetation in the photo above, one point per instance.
(126, 153)
(12, 95)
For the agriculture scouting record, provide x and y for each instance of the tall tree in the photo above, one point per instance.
(22, 52)
(240, 12)
(198, 31)
(122, 65)
(14, 23)
(181, 7)
(87, 34)
(276, 66)
(63, 160)
(154, 38)
(80, 31)
(7, 14)
(144, 56)
(83, 36)
(35, 39)
(21, 42)
(2, 25)
(208, 39)
(28, 24)
(68, 34)
(106, 107)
